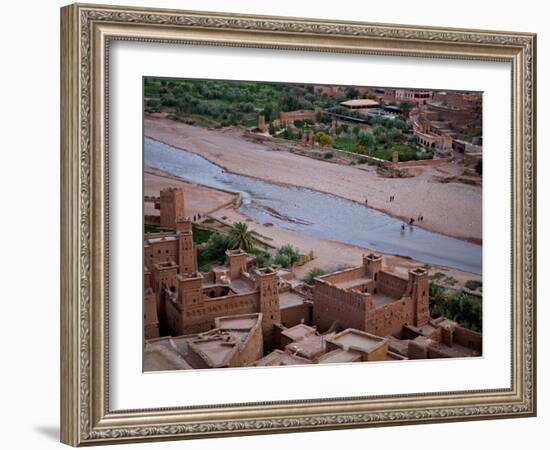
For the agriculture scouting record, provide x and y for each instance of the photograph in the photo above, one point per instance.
(291, 224)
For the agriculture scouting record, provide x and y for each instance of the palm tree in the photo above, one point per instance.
(241, 237)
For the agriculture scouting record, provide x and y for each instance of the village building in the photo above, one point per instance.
(236, 341)
(287, 118)
(447, 121)
(371, 299)
(360, 104)
(239, 315)
(420, 97)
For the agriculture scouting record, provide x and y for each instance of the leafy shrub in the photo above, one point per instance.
(437, 276)
(312, 274)
(323, 138)
(263, 259)
(287, 255)
(472, 285)
(216, 247)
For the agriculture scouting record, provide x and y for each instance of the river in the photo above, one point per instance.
(317, 213)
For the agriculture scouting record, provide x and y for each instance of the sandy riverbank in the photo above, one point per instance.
(453, 209)
(198, 199)
(330, 255)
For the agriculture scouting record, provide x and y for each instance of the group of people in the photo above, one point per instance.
(419, 218)
(197, 217)
(392, 198)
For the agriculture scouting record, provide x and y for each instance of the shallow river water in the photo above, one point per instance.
(317, 213)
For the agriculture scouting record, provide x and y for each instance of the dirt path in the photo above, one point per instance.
(452, 209)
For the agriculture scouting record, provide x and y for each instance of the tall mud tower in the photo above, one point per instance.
(418, 289)
(171, 207)
(268, 304)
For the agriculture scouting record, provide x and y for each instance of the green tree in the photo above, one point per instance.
(438, 299)
(283, 260)
(240, 236)
(263, 259)
(460, 309)
(406, 107)
(312, 274)
(216, 247)
(367, 139)
(287, 255)
(152, 105)
(288, 134)
(352, 93)
(323, 138)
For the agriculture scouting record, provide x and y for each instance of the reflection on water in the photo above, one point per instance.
(317, 213)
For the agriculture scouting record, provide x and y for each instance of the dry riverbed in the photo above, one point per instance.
(453, 209)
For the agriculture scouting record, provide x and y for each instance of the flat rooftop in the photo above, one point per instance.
(289, 299)
(399, 346)
(360, 102)
(349, 284)
(280, 358)
(383, 299)
(241, 322)
(161, 354)
(159, 360)
(309, 346)
(298, 332)
(458, 351)
(359, 340)
(217, 351)
(241, 285)
(161, 239)
(339, 356)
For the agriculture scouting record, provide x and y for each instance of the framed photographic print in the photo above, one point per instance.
(278, 224)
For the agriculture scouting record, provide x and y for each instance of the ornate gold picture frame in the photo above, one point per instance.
(87, 31)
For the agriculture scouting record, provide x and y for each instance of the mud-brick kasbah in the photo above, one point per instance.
(239, 315)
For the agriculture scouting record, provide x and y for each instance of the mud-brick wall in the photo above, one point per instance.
(196, 320)
(331, 303)
(389, 319)
(162, 251)
(468, 338)
(293, 315)
(391, 285)
(253, 348)
(345, 275)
